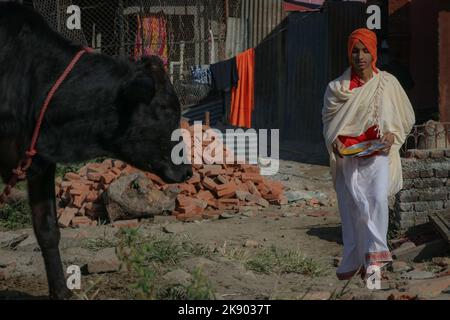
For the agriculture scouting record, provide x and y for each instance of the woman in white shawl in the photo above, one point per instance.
(365, 104)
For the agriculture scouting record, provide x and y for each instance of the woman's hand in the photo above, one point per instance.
(337, 146)
(389, 140)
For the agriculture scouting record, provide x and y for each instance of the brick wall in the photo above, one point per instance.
(426, 189)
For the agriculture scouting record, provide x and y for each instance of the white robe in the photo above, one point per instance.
(363, 185)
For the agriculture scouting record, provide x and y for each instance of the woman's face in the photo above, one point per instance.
(361, 57)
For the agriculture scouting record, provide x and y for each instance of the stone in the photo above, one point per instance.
(441, 261)
(227, 215)
(11, 239)
(7, 258)
(177, 277)
(251, 244)
(407, 245)
(164, 219)
(135, 197)
(104, 261)
(401, 266)
(423, 252)
(174, 228)
(295, 196)
(289, 214)
(418, 275)
(430, 288)
(29, 244)
(316, 296)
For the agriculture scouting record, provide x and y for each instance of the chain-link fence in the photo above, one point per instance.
(184, 33)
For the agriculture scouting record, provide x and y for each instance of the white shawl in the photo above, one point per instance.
(380, 101)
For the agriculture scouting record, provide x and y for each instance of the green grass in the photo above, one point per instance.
(199, 288)
(281, 261)
(15, 216)
(98, 244)
(149, 257)
(62, 169)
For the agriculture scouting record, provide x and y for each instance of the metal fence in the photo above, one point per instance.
(184, 33)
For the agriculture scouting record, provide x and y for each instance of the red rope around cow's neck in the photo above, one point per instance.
(20, 172)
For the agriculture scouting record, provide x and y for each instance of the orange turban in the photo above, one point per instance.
(368, 39)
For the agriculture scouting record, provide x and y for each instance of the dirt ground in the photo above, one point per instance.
(285, 252)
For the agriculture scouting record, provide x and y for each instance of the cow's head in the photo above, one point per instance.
(150, 112)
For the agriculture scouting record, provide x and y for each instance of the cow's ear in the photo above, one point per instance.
(153, 66)
(138, 90)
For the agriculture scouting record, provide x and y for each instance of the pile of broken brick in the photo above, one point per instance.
(212, 190)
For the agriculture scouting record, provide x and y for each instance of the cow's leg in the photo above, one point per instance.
(41, 188)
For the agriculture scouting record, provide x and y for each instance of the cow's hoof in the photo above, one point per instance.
(64, 294)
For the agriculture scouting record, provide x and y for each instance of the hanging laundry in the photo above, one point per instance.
(225, 77)
(151, 38)
(202, 74)
(243, 101)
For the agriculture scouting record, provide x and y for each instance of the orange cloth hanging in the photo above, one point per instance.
(242, 98)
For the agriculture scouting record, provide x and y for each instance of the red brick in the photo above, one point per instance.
(195, 179)
(222, 179)
(187, 188)
(94, 176)
(191, 209)
(117, 172)
(81, 221)
(184, 124)
(119, 164)
(200, 203)
(243, 187)
(213, 204)
(281, 200)
(209, 184)
(205, 195)
(78, 200)
(263, 189)
(252, 188)
(229, 202)
(211, 215)
(252, 169)
(83, 171)
(96, 168)
(92, 196)
(229, 171)
(227, 193)
(216, 172)
(184, 201)
(108, 163)
(258, 200)
(226, 186)
(276, 188)
(155, 178)
(72, 176)
(108, 178)
(126, 224)
(66, 217)
(256, 178)
(66, 184)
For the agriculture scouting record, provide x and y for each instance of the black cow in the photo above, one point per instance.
(106, 107)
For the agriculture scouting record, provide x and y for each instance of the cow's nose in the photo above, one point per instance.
(188, 174)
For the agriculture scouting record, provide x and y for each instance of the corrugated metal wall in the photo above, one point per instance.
(444, 62)
(294, 67)
(263, 16)
(257, 19)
